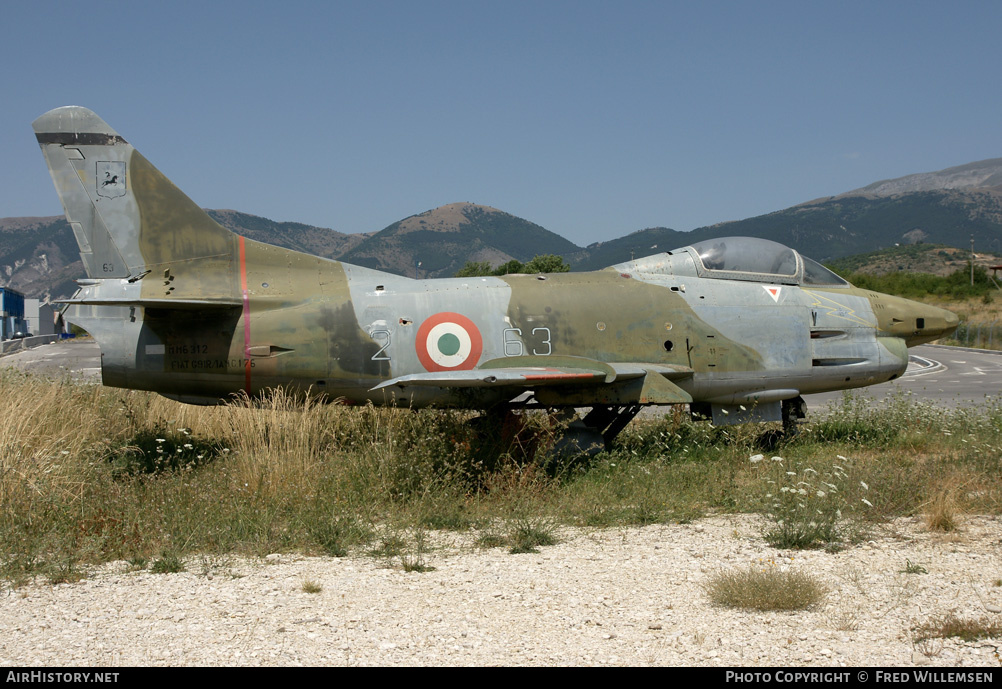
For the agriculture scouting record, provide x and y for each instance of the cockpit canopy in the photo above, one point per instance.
(739, 258)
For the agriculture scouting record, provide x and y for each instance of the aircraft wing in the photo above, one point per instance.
(481, 378)
(649, 383)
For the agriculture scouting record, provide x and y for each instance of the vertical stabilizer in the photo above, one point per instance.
(128, 219)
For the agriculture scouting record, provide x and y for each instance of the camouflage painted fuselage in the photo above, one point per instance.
(182, 306)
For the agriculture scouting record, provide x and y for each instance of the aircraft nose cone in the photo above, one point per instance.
(914, 321)
(941, 322)
(926, 323)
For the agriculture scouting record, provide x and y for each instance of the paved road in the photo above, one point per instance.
(947, 375)
(81, 359)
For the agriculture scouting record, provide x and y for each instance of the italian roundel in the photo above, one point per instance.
(449, 342)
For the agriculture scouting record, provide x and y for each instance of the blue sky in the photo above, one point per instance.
(593, 119)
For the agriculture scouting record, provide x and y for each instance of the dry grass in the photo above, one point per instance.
(957, 627)
(765, 587)
(945, 510)
(974, 310)
(289, 475)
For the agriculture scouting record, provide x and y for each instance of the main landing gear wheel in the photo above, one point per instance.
(793, 409)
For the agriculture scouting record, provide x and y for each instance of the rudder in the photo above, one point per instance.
(126, 216)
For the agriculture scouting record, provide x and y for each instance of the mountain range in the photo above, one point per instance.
(39, 256)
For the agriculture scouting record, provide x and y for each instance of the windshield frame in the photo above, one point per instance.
(753, 259)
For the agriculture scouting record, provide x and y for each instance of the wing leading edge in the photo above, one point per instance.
(580, 380)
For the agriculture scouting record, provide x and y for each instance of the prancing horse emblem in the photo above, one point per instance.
(110, 179)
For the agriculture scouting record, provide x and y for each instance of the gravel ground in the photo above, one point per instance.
(600, 597)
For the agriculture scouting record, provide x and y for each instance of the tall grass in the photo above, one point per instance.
(84, 475)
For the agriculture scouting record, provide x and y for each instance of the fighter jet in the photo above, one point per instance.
(737, 328)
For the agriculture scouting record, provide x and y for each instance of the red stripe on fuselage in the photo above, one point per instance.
(246, 297)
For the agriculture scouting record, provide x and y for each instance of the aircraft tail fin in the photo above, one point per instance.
(127, 217)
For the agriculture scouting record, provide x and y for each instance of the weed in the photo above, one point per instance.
(952, 626)
(311, 586)
(159, 449)
(168, 563)
(913, 568)
(844, 619)
(64, 572)
(389, 546)
(944, 510)
(209, 564)
(812, 508)
(855, 421)
(929, 647)
(491, 539)
(82, 482)
(765, 587)
(415, 563)
(336, 533)
(526, 535)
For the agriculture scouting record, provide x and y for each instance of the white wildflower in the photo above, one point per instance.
(867, 502)
(756, 458)
(865, 487)
(821, 494)
(777, 459)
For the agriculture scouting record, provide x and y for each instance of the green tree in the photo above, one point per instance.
(512, 266)
(544, 263)
(547, 263)
(474, 269)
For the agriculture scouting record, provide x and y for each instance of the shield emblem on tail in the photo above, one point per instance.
(110, 179)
